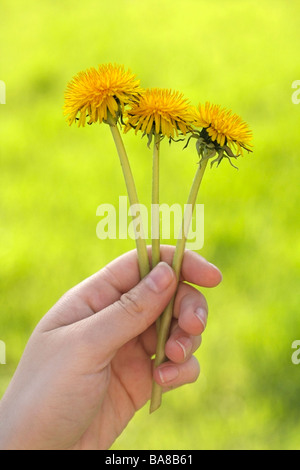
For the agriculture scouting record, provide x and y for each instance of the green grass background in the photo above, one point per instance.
(241, 54)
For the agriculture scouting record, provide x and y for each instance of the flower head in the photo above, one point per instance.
(222, 132)
(160, 111)
(97, 92)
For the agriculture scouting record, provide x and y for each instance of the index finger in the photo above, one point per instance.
(122, 274)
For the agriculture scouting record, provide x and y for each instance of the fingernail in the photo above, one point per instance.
(168, 373)
(185, 344)
(201, 315)
(160, 277)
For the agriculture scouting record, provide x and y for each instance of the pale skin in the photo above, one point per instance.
(87, 367)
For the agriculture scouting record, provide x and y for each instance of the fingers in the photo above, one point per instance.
(180, 346)
(190, 308)
(132, 314)
(109, 283)
(195, 269)
(170, 375)
(190, 312)
(120, 276)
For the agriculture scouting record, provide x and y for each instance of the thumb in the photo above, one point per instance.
(134, 312)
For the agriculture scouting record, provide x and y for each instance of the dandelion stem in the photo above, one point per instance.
(155, 204)
(143, 259)
(166, 317)
(155, 229)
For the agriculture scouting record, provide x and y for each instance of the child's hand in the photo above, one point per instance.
(87, 366)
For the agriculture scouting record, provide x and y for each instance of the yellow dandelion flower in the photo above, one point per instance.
(96, 92)
(160, 111)
(223, 127)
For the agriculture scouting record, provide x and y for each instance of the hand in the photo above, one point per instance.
(87, 366)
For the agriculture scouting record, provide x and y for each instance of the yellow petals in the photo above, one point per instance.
(160, 111)
(96, 92)
(102, 94)
(223, 127)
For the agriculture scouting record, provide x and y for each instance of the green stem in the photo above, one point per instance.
(155, 228)
(155, 204)
(143, 259)
(166, 317)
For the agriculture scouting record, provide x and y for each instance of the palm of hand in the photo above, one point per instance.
(128, 378)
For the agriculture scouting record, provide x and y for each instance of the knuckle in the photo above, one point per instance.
(131, 304)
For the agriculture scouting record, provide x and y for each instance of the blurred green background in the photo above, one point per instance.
(243, 55)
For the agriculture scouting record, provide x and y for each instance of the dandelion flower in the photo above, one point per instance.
(160, 111)
(222, 131)
(96, 93)
(101, 95)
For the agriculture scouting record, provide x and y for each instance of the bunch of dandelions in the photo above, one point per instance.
(112, 95)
